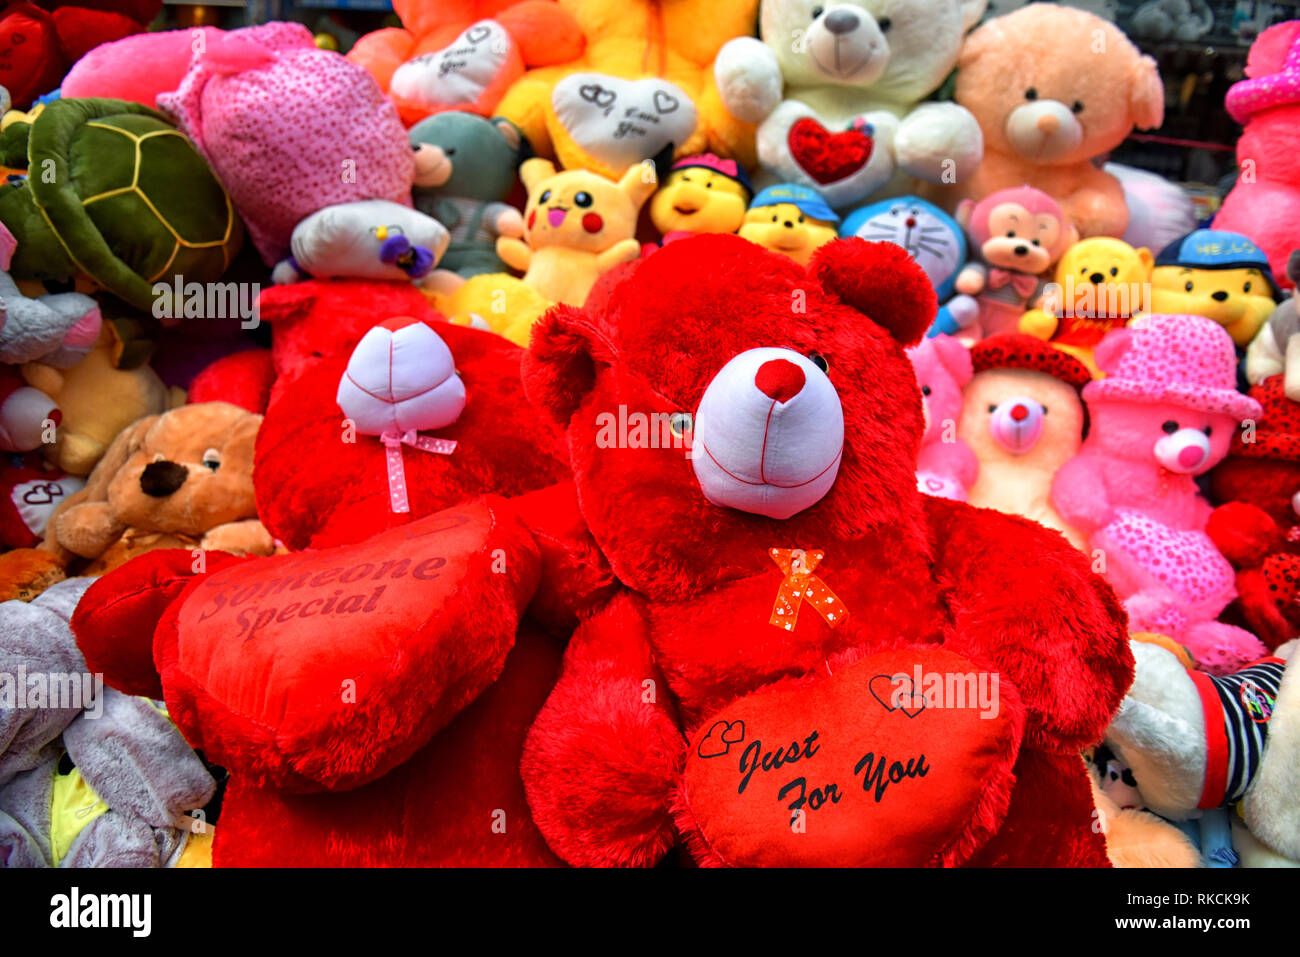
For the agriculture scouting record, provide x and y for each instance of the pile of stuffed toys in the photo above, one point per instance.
(542, 437)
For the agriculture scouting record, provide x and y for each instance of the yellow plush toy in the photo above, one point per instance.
(577, 225)
(1100, 284)
(790, 219)
(1217, 274)
(643, 84)
(98, 400)
(703, 194)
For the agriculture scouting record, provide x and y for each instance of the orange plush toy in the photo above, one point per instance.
(1052, 88)
(464, 54)
(644, 85)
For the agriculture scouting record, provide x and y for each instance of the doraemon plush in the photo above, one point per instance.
(933, 238)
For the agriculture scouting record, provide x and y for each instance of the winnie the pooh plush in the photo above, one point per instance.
(643, 85)
(835, 89)
(803, 569)
(790, 219)
(1052, 88)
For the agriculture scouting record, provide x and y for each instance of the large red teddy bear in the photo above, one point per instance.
(370, 713)
(806, 661)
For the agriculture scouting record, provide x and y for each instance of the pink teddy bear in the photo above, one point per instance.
(1165, 413)
(946, 467)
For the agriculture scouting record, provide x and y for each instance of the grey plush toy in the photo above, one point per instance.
(89, 777)
(1276, 347)
(465, 167)
(57, 329)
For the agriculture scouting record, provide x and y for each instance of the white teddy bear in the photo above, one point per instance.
(835, 86)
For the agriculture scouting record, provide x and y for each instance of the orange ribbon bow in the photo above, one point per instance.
(800, 585)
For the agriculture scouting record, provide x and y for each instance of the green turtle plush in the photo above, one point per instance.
(116, 193)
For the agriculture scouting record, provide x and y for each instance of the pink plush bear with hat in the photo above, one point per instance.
(1266, 205)
(1165, 412)
(946, 467)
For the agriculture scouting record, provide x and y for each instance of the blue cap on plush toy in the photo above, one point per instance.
(1215, 249)
(808, 201)
(930, 236)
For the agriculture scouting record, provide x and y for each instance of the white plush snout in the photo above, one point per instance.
(1186, 450)
(1044, 130)
(846, 45)
(769, 434)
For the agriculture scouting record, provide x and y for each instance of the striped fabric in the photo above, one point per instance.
(1237, 709)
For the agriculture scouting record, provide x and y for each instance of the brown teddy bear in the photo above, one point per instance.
(182, 479)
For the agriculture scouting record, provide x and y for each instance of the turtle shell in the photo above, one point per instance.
(129, 197)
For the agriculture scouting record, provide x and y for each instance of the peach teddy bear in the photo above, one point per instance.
(1052, 88)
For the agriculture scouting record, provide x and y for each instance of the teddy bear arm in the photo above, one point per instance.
(748, 79)
(247, 537)
(605, 731)
(1080, 495)
(514, 253)
(939, 143)
(1031, 606)
(115, 621)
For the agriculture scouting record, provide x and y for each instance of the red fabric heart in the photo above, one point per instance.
(848, 770)
(827, 157)
(326, 669)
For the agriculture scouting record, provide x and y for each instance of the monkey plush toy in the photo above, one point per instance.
(1016, 235)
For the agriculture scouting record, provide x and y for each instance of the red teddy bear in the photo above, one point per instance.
(1256, 526)
(370, 713)
(806, 661)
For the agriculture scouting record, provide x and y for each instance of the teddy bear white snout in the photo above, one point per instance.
(1183, 451)
(847, 45)
(1017, 423)
(1044, 130)
(768, 434)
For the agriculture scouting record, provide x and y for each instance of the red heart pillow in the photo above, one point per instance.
(326, 669)
(874, 766)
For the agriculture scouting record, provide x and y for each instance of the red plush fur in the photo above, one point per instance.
(601, 763)
(242, 378)
(343, 497)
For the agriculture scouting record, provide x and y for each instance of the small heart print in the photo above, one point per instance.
(595, 93)
(665, 102)
(43, 494)
(477, 34)
(720, 738)
(911, 703)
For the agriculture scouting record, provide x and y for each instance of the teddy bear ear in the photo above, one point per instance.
(882, 282)
(1147, 95)
(971, 11)
(955, 358)
(285, 304)
(567, 347)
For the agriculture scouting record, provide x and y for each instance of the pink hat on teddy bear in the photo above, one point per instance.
(289, 129)
(1271, 83)
(1186, 360)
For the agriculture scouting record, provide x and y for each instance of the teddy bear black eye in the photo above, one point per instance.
(1038, 242)
(709, 185)
(1031, 94)
(819, 360)
(992, 407)
(1077, 107)
(679, 423)
(546, 194)
(1246, 288)
(212, 459)
(884, 23)
(817, 12)
(1170, 426)
(1114, 271)
(582, 199)
(1208, 430)
(926, 390)
(1011, 234)
(450, 151)
(1188, 285)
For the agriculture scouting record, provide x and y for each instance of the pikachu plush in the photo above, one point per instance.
(577, 225)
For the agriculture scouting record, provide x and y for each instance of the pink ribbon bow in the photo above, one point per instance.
(393, 442)
(1022, 283)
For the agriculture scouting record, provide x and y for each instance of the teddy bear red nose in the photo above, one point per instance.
(1019, 413)
(779, 379)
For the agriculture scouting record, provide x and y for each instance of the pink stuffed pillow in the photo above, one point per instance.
(290, 129)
